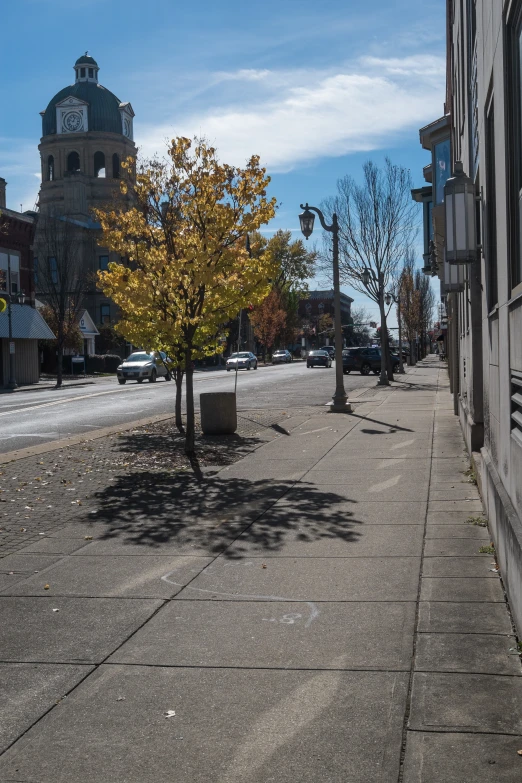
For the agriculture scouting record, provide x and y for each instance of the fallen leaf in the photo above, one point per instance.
(56, 610)
(263, 565)
(88, 538)
(519, 752)
(46, 587)
(169, 713)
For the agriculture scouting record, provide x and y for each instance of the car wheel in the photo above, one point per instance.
(347, 372)
(248, 366)
(365, 369)
(228, 369)
(255, 366)
(140, 380)
(152, 377)
(121, 381)
(168, 377)
(395, 368)
(376, 372)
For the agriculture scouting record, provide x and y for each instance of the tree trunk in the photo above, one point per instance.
(59, 357)
(383, 380)
(178, 378)
(190, 430)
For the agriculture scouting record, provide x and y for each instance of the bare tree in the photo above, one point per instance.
(376, 227)
(426, 306)
(61, 278)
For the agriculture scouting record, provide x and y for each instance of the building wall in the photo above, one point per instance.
(27, 363)
(491, 322)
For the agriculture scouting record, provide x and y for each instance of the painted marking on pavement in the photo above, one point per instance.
(391, 482)
(314, 611)
(403, 444)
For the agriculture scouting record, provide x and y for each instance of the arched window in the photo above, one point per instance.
(50, 168)
(99, 164)
(73, 161)
(115, 166)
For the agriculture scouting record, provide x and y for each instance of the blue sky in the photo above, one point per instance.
(314, 88)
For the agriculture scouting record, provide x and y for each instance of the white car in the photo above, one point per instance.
(244, 360)
(141, 365)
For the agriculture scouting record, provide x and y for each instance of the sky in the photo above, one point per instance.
(314, 88)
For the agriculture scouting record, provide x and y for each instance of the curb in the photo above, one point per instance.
(74, 440)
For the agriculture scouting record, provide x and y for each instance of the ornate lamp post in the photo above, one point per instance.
(340, 402)
(389, 298)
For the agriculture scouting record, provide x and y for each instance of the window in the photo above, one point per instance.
(73, 162)
(99, 164)
(514, 92)
(104, 263)
(53, 270)
(115, 166)
(491, 209)
(35, 270)
(105, 314)
(91, 73)
(50, 168)
(442, 168)
(82, 73)
(9, 262)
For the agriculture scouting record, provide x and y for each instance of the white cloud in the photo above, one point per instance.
(296, 117)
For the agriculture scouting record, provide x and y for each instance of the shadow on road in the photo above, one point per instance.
(153, 509)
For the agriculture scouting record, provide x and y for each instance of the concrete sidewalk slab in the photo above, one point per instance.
(454, 547)
(279, 634)
(479, 589)
(113, 577)
(322, 537)
(488, 704)
(68, 630)
(485, 618)
(468, 653)
(29, 690)
(273, 719)
(313, 579)
(455, 758)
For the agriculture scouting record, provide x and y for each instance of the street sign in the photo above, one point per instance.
(11, 347)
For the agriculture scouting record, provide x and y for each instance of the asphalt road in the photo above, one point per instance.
(31, 418)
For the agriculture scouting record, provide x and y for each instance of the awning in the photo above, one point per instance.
(27, 324)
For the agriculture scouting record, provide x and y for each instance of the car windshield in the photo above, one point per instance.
(139, 357)
(353, 352)
(279, 353)
(239, 355)
(317, 353)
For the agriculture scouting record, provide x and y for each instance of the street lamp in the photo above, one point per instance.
(389, 298)
(340, 402)
(460, 201)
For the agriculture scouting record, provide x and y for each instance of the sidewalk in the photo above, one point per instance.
(317, 612)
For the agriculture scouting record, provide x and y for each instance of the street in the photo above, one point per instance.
(32, 418)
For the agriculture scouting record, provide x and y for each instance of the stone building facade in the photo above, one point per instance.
(87, 132)
(482, 127)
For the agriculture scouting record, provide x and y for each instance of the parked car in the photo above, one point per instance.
(141, 365)
(365, 360)
(244, 360)
(329, 349)
(282, 357)
(318, 359)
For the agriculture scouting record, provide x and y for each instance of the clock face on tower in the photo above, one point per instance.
(73, 121)
(127, 128)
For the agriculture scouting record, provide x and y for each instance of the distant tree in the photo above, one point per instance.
(376, 228)
(268, 319)
(410, 304)
(62, 280)
(358, 334)
(109, 340)
(72, 336)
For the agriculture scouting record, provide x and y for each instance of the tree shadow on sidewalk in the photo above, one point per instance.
(152, 509)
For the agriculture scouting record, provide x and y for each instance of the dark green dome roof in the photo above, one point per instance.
(86, 59)
(103, 107)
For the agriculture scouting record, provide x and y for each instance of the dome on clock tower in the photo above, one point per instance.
(101, 109)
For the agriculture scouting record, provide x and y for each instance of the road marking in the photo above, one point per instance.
(391, 482)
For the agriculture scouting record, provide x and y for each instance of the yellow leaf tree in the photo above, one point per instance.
(187, 269)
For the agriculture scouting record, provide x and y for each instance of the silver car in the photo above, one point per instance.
(282, 357)
(141, 365)
(244, 360)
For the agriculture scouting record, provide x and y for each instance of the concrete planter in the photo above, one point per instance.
(218, 413)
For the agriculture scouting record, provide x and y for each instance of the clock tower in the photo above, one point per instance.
(86, 134)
